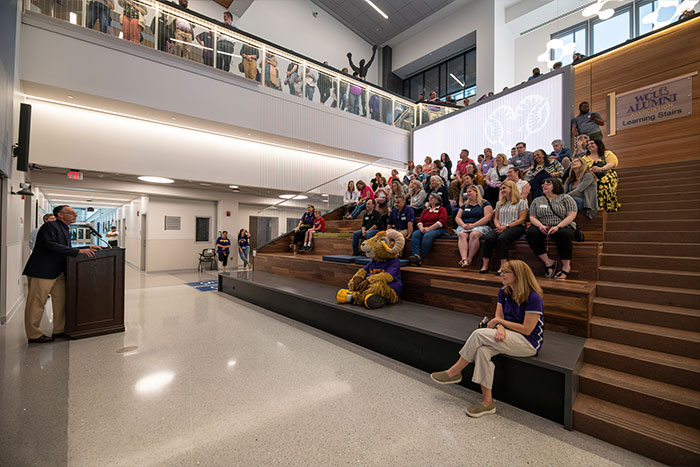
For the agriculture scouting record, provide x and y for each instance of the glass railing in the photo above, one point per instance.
(168, 27)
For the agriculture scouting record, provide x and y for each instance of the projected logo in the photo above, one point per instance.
(506, 125)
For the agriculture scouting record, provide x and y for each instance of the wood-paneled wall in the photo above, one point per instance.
(664, 55)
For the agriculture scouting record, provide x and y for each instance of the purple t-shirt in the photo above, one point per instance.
(390, 266)
(516, 313)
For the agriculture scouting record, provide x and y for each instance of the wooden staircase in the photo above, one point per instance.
(639, 386)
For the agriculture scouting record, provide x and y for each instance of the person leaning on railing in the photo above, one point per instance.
(516, 330)
(509, 222)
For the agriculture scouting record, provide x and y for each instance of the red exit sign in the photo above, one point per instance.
(75, 175)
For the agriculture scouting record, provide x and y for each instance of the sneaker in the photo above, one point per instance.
(441, 377)
(478, 410)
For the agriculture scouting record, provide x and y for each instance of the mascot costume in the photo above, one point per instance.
(379, 282)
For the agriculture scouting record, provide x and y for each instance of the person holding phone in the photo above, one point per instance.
(587, 122)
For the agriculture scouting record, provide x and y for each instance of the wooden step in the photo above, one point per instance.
(659, 261)
(675, 167)
(663, 277)
(654, 181)
(343, 225)
(660, 339)
(652, 236)
(669, 197)
(652, 248)
(663, 226)
(663, 400)
(332, 246)
(692, 173)
(647, 206)
(654, 437)
(669, 188)
(647, 313)
(660, 366)
(653, 216)
(568, 303)
(671, 296)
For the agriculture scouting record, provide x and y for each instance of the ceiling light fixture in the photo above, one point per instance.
(235, 187)
(598, 9)
(293, 196)
(455, 78)
(150, 179)
(377, 9)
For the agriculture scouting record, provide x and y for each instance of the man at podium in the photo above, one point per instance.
(45, 271)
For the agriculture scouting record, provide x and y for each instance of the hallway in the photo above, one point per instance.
(200, 378)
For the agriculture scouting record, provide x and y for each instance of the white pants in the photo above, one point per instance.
(482, 345)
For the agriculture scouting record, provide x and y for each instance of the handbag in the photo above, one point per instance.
(578, 233)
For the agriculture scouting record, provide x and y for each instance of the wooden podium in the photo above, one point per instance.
(95, 294)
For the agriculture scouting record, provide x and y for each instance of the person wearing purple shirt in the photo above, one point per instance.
(390, 266)
(516, 330)
(305, 223)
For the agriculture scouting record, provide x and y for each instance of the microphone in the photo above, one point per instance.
(94, 232)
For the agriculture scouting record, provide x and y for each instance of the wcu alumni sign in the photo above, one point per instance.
(656, 103)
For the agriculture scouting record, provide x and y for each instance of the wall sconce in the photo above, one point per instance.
(598, 8)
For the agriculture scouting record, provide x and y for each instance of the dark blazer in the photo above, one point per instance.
(48, 259)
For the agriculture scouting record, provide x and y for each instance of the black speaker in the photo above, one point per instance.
(21, 150)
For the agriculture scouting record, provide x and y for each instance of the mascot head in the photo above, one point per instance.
(385, 245)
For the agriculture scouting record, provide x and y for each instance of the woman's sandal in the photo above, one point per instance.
(463, 263)
(551, 270)
(484, 271)
(562, 275)
(498, 273)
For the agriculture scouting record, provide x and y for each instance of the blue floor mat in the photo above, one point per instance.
(207, 288)
(204, 286)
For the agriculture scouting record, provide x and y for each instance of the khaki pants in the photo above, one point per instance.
(183, 50)
(38, 295)
(250, 68)
(482, 345)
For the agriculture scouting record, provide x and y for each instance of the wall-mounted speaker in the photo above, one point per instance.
(21, 149)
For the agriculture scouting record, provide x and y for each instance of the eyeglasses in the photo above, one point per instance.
(505, 271)
(547, 182)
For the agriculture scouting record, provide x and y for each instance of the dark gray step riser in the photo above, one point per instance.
(692, 225)
(655, 405)
(650, 278)
(646, 445)
(652, 216)
(676, 250)
(645, 316)
(658, 206)
(659, 195)
(652, 236)
(680, 299)
(646, 341)
(672, 263)
(684, 377)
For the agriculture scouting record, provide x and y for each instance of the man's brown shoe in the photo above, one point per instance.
(41, 340)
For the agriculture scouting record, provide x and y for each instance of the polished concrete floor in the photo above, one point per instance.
(202, 379)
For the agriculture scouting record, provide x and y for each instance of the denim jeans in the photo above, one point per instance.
(97, 11)
(244, 254)
(354, 104)
(310, 92)
(579, 202)
(291, 80)
(360, 207)
(356, 236)
(421, 243)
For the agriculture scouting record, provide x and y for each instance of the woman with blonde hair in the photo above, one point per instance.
(418, 197)
(486, 164)
(396, 189)
(473, 223)
(509, 222)
(581, 145)
(495, 176)
(582, 187)
(516, 330)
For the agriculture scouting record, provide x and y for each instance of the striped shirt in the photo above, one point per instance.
(509, 213)
(562, 204)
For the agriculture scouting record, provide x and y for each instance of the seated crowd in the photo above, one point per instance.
(492, 199)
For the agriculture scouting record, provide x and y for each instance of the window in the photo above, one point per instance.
(667, 14)
(577, 35)
(613, 31)
(202, 229)
(453, 77)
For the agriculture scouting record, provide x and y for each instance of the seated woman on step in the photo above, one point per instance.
(472, 220)
(516, 330)
(318, 225)
(305, 223)
(430, 226)
(582, 187)
(602, 163)
(509, 222)
(552, 216)
(366, 193)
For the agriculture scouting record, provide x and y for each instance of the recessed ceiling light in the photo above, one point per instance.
(173, 118)
(70, 97)
(248, 134)
(377, 9)
(235, 187)
(293, 196)
(150, 179)
(205, 184)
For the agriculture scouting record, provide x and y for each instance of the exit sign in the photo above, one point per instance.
(75, 175)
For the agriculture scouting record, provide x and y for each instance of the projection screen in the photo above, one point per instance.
(533, 113)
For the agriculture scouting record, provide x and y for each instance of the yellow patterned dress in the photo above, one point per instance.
(607, 181)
